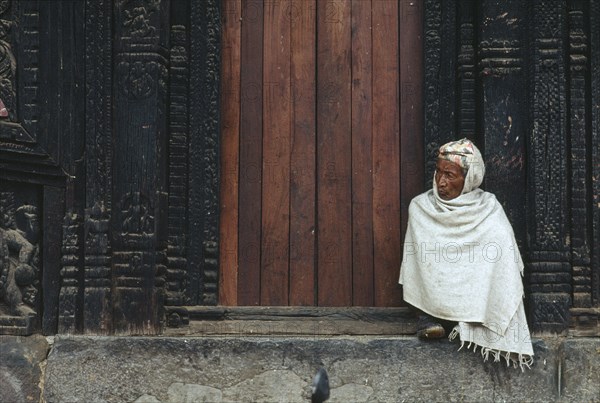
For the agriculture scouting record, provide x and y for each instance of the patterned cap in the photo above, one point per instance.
(459, 152)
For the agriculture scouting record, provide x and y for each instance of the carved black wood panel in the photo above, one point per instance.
(108, 163)
(526, 81)
(41, 117)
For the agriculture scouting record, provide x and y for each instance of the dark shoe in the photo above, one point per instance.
(429, 329)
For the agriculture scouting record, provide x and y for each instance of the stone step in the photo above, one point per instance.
(280, 369)
(268, 369)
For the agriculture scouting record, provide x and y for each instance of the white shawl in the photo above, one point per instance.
(461, 263)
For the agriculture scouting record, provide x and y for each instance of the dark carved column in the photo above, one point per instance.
(584, 111)
(594, 148)
(70, 17)
(548, 206)
(178, 161)
(98, 128)
(580, 245)
(466, 71)
(440, 66)
(139, 206)
(70, 299)
(203, 202)
(504, 120)
(178, 158)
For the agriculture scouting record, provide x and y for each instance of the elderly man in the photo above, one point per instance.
(461, 261)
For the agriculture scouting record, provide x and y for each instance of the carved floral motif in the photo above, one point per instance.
(138, 80)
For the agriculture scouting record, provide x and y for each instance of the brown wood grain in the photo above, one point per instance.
(411, 105)
(250, 184)
(386, 152)
(312, 321)
(334, 154)
(362, 183)
(276, 155)
(230, 118)
(324, 183)
(303, 158)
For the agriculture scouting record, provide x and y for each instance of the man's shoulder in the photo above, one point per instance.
(490, 198)
(421, 197)
(420, 200)
(494, 205)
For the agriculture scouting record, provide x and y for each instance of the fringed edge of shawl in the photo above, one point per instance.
(516, 359)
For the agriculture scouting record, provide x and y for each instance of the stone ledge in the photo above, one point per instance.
(361, 368)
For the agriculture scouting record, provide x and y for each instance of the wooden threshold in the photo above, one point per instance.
(292, 321)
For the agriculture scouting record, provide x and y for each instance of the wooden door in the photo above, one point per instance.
(321, 149)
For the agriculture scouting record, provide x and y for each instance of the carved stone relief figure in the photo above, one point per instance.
(137, 21)
(19, 258)
(136, 213)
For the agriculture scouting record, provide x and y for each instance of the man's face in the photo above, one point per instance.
(449, 179)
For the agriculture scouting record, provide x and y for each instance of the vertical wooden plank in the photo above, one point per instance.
(334, 154)
(362, 182)
(276, 155)
(411, 105)
(230, 109)
(302, 179)
(250, 152)
(386, 152)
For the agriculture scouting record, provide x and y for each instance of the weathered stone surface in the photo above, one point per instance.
(21, 361)
(184, 393)
(161, 369)
(277, 385)
(580, 371)
(147, 399)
